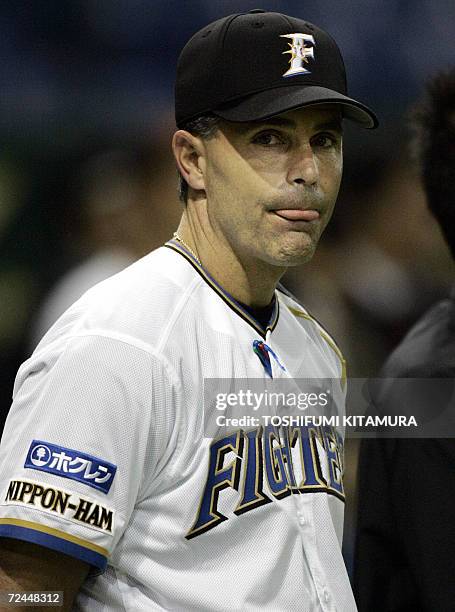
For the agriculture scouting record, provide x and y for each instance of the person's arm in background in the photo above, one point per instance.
(25, 566)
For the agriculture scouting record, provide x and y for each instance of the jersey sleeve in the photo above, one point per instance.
(91, 421)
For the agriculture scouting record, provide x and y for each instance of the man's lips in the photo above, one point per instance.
(293, 214)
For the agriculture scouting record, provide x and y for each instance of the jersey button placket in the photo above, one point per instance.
(308, 537)
(310, 548)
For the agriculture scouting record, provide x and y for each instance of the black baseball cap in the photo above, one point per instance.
(251, 66)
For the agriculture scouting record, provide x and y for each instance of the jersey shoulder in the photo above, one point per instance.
(135, 305)
(312, 326)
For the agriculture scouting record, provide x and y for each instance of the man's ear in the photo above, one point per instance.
(189, 155)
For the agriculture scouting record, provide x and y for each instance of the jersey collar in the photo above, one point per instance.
(224, 295)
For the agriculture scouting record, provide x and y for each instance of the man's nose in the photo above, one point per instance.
(303, 169)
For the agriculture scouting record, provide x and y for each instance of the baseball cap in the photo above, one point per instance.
(252, 66)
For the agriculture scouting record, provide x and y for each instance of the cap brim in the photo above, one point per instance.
(265, 104)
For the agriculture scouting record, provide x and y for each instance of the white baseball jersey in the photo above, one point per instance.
(105, 456)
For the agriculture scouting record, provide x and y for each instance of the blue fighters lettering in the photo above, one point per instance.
(269, 462)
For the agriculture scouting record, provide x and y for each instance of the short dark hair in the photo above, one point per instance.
(204, 126)
(433, 121)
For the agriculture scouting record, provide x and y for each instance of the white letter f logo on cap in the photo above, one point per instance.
(299, 53)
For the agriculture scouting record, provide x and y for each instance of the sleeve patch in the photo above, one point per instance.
(76, 508)
(72, 464)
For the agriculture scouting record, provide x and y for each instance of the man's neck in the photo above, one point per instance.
(249, 281)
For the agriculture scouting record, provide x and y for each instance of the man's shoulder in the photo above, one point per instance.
(410, 381)
(428, 348)
(303, 316)
(135, 303)
(312, 326)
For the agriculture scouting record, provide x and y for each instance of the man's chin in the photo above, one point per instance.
(292, 255)
(296, 252)
(298, 260)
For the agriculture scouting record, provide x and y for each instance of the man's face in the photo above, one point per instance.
(271, 186)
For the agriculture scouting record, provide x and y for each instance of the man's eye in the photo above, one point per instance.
(268, 139)
(323, 141)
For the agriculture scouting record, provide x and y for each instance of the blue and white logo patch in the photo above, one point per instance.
(69, 463)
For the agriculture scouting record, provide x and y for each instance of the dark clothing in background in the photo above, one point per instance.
(405, 548)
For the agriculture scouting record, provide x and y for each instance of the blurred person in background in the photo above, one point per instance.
(126, 208)
(17, 282)
(405, 548)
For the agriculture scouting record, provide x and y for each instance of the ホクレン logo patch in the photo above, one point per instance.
(299, 53)
(72, 464)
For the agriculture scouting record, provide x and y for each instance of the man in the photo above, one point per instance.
(105, 456)
(405, 536)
